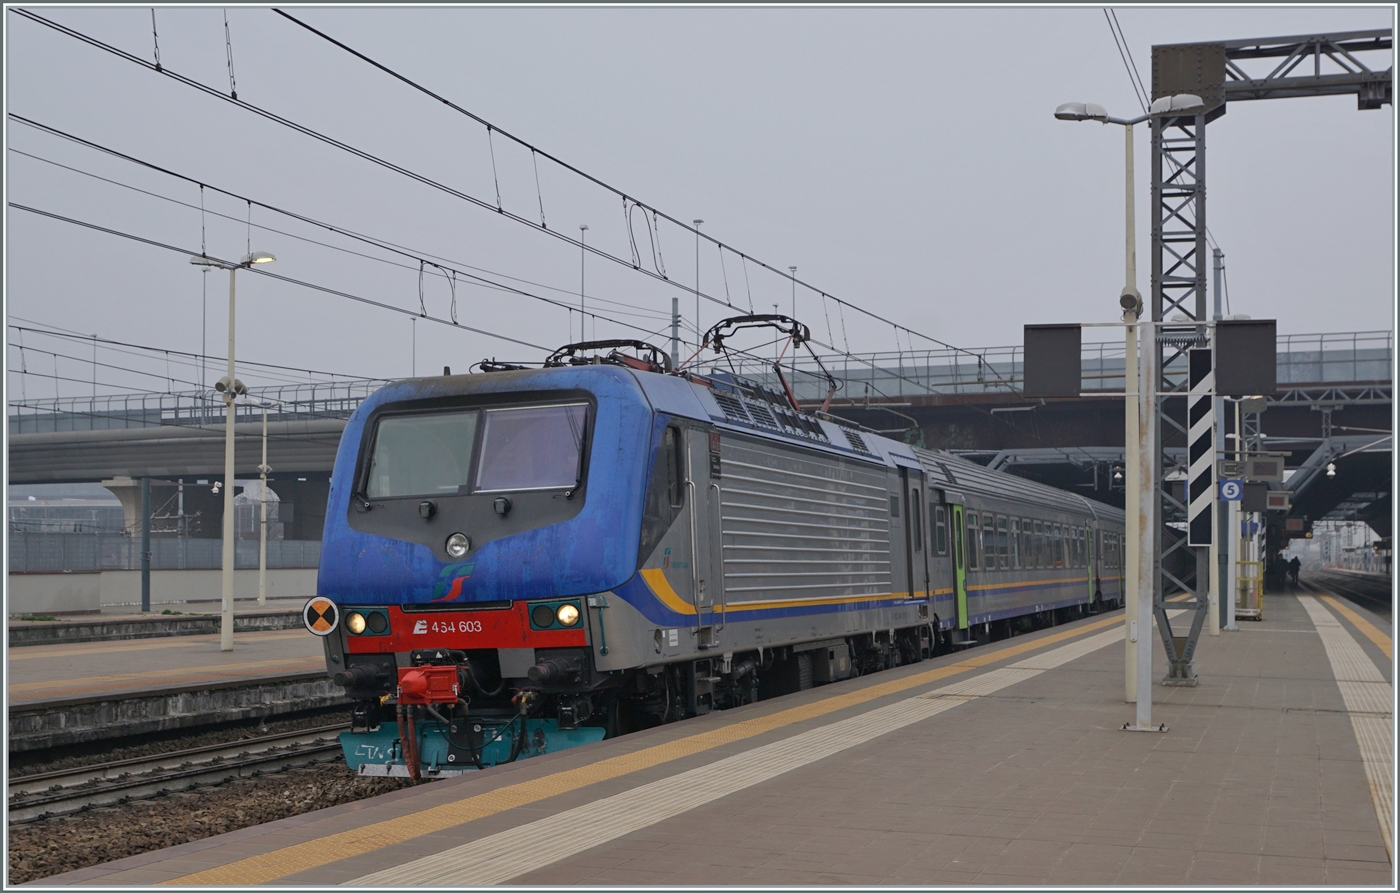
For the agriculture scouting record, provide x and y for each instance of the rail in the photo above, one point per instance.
(68, 791)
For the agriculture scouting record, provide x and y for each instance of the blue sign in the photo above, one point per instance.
(1231, 490)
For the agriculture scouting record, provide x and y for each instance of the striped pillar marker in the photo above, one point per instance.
(1200, 437)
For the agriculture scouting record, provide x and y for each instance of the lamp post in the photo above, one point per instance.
(699, 333)
(1139, 435)
(582, 320)
(230, 387)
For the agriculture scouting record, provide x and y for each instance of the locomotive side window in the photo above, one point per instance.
(989, 542)
(532, 448)
(421, 455)
(1016, 543)
(940, 530)
(974, 533)
(675, 475)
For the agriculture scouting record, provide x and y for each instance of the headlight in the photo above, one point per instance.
(355, 622)
(567, 615)
(542, 616)
(458, 544)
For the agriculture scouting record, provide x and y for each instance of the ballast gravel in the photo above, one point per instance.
(47, 847)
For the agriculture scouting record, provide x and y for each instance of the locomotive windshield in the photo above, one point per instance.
(532, 448)
(522, 448)
(422, 455)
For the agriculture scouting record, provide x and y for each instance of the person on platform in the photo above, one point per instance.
(1294, 565)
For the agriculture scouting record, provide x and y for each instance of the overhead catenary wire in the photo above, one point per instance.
(655, 214)
(1125, 53)
(383, 244)
(428, 181)
(271, 275)
(480, 280)
(113, 344)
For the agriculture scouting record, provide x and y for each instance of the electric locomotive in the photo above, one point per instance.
(529, 559)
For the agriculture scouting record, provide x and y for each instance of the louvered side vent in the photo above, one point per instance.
(761, 415)
(857, 442)
(813, 429)
(733, 409)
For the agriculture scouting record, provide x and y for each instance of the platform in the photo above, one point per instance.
(1005, 764)
(47, 673)
(69, 693)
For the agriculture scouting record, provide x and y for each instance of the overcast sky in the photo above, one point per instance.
(905, 160)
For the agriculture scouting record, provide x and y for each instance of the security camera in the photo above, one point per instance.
(1331, 469)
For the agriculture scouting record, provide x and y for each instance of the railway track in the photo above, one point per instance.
(104, 784)
(1370, 591)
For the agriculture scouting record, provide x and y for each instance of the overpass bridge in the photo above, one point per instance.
(1335, 393)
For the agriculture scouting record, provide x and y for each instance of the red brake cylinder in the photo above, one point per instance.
(428, 685)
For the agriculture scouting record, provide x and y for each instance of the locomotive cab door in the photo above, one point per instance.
(959, 565)
(702, 515)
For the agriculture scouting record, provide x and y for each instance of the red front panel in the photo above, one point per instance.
(464, 630)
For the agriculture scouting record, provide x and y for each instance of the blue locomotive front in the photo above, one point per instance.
(470, 520)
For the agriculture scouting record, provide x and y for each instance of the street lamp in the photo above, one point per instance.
(230, 387)
(1138, 417)
(582, 237)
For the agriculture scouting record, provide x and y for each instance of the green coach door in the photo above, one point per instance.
(959, 566)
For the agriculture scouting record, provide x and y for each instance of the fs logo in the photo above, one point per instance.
(667, 563)
(420, 627)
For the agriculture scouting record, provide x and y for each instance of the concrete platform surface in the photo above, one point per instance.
(39, 674)
(1005, 764)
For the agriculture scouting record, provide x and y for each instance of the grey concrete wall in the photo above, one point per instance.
(54, 593)
(71, 593)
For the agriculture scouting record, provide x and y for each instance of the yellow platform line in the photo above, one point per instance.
(310, 854)
(1367, 628)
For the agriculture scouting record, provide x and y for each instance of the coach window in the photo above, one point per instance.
(1016, 543)
(1027, 556)
(974, 533)
(989, 542)
(940, 529)
(1057, 552)
(1003, 545)
(1039, 544)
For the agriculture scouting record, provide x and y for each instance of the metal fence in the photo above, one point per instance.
(1335, 358)
(297, 402)
(32, 553)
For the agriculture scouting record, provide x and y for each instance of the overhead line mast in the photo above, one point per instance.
(1216, 72)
